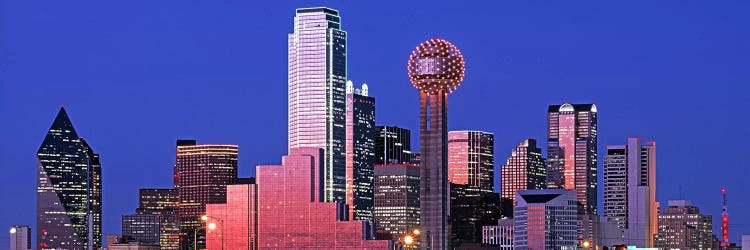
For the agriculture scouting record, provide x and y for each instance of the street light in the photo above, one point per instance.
(586, 244)
(212, 226)
(416, 231)
(408, 240)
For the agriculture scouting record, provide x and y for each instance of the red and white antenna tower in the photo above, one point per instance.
(724, 220)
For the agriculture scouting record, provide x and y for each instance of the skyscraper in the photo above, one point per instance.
(162, 202)
(203, 173)
(630, 190)
(525, 169)
(571, 150)
(436, 68)
(68, 189)
(682, 226)
(471, 159)
(396, 199)
(317, 98)
(20, 238)
(360, 152)
(392, 145)
(546, 219)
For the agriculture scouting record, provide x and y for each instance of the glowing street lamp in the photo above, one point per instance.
(212, 226)
(416, 231)
(408, 240)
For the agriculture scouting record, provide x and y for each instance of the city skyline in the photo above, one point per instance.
(707, 195)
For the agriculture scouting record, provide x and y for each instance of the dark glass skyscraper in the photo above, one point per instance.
(360, 152)
(203, 173)
(392, 145)
(571, 150)
(68, 190)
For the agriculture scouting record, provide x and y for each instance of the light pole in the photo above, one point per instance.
(195, 237)
(212, 226)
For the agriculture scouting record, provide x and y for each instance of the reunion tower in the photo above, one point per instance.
(436, 68)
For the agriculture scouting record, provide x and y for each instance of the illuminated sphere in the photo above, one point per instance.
(436, 64)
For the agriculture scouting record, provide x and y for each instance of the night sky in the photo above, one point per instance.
(135, 76)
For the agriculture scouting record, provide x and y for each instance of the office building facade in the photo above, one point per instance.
(317, 98)
(682, 226)
(500, 235)
(68, 189)
(572, 151)
(236, 220)
(392, 145)
(525, 169)
(164, 203)
(360, 152)
(471, 159)
(290, 212)
(630, 190)
(396, 199)
(203, 173)
(546, 219)
(143, 228)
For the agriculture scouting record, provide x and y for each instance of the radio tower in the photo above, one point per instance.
(724, 220)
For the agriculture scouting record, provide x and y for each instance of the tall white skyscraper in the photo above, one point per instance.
(630, 190)
(317, 92)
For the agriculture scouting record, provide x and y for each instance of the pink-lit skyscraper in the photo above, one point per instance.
(571, 151)
(471, 159)
(286, 203)
(436, 68)
(524, 169)
(317, 82)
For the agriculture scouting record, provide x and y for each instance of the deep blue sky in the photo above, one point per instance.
(136, 75)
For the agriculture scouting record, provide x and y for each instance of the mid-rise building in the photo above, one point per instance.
(203, 173)
(500, 235)
(546, 219)
(360, 152)
(471, 159)
(572, 151)
(68, 189)
(236, 220)
(317, 92)
(20, 238)
(630, 190)
(745, 242)
(396, 199)
(143, 228)
(524, 169)
(682, 226)
(392, 145)
(290, 214)
(162, 202)
(470, 209)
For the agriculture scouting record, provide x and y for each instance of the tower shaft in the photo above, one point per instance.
(434, 190)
